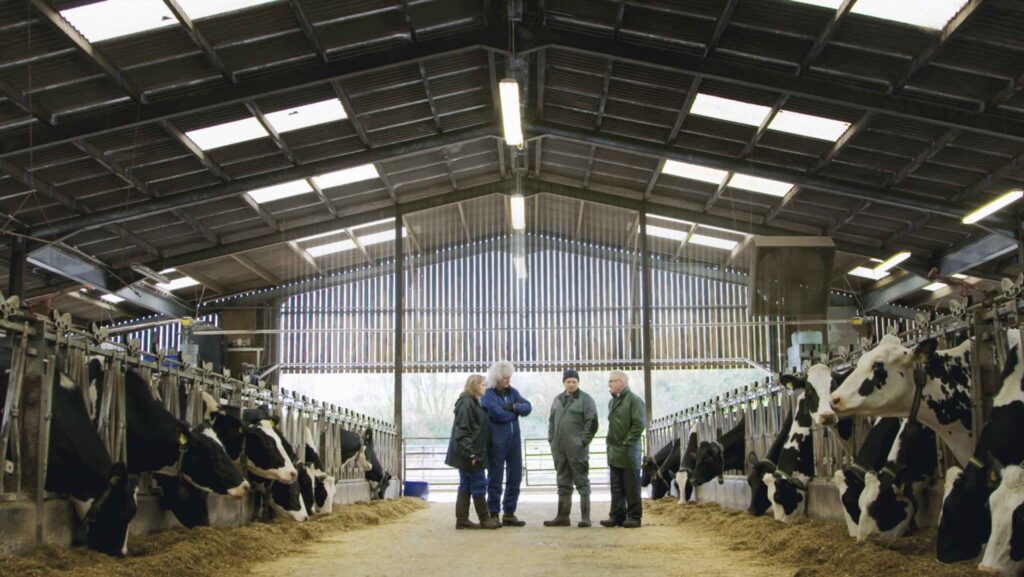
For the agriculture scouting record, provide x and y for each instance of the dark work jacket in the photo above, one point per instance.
(469, 435)
(627, 419)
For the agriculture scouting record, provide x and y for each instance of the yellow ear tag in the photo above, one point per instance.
(182, 439)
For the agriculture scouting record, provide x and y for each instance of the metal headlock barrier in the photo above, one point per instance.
(41, 346)
(766, 404)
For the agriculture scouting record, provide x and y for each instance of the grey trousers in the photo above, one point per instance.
(572, 471)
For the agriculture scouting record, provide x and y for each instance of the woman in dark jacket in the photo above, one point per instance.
(467, 452)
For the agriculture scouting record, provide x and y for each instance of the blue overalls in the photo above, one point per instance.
(506, 448)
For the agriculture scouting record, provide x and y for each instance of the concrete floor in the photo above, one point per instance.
(426, 545)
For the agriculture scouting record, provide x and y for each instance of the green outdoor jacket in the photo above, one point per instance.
(572, 426)
(626, 423)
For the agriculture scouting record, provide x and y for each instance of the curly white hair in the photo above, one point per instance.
(498, 371)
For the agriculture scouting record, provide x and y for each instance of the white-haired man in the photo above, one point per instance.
(627, 419)
(504, 406)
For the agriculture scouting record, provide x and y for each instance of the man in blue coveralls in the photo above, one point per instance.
(504, 406)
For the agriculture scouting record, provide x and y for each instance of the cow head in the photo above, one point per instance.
(286, 501)
(323, 494)
(1005, 551)
(107, 530)
(788, 495)
(883, 380)
(759, 469)
(965, 522)
(306, 489)
(710, 462)
(684, 486)
(379, 478)
(206, 464)
(850, 486)
(265, 452)
(885, 508)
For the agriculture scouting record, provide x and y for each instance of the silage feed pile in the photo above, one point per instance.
(818, 548)
(205, 551)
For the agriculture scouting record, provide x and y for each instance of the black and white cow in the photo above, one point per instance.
(265, 451)
(787, 485)
(289, 499)
(322, 501)
(759, 502)
(973, 510)
(360, 448)
(102, 492)
(687, 462)
(160, 443)
(871, 457)
(882, 385)
(725, 453)
(659, 470)
(892, 502)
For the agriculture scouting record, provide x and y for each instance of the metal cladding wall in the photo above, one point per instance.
(579, 302)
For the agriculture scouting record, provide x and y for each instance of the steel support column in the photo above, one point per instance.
(16, 274)
(399, 328)
(645, 284)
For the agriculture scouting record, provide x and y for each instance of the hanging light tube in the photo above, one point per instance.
(892, 261)
(997, 204)
(510, 115)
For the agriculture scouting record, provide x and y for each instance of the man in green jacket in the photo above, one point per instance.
(626, 423)
(571, 427)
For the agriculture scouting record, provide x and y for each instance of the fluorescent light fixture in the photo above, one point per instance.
(519, 263)
(346, 176)
(665, 218)
(511, 120)
(729, 110)
(694, 172)
(114, 299)
(959, 276)
(713, 242)
(808, 125)
(115, 18)
(197, 9)
(307, 115)
(168, 270)
(994, 206)
(869, 273)
(892, 261)
(758, 184)
(833, 4)
(933, 14)
(935, 286)
(518, 205)
(178, 283)
(349, 244)
(279, 191)
(669, 233)
(227, 134)
(876, 260)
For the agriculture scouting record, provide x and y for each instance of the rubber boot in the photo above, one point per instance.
(564, 508)
(510, 520)
(584, 511)
(462, 512)
(486, 521)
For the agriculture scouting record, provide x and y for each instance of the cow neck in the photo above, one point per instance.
(920, 380)
(94, 509)
(857, 470)
(794, 480)
(182, 449)
(657, 471)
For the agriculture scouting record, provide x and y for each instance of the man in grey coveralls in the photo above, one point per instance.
(571, 427)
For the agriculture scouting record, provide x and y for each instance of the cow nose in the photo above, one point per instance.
(827, 419)
(292, 475)
(837, 403)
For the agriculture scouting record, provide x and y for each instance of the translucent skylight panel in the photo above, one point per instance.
(197, 9)
(346, 176)
(758, 184)
(279, 191)
(868, 273)
(669, 233)
(694, 172)
(227, 134)
(833, 4)
(729, 110)
(110, 298)
(713, 242)
(935, 286)
(932, 14)
(379, 237)
(331, 247)
(808, 125)
(115, 18)
(178, 283)
(307, 115)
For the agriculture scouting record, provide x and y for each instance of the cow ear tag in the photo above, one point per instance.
(182, 439)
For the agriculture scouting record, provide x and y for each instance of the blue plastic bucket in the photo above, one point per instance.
(419, 489)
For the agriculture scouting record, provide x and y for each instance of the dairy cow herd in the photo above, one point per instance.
(231, 452)
(912, 396)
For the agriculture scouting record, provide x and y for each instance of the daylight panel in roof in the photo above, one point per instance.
(346, 176)
(279, 191)
(115, 18)
(226, 134)
(729, 110)
(925, 13)
(694, 172)
(307, 115)
(808, 125)
(713, 242)
(178, 283)
(671, 234)
(758, 184)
